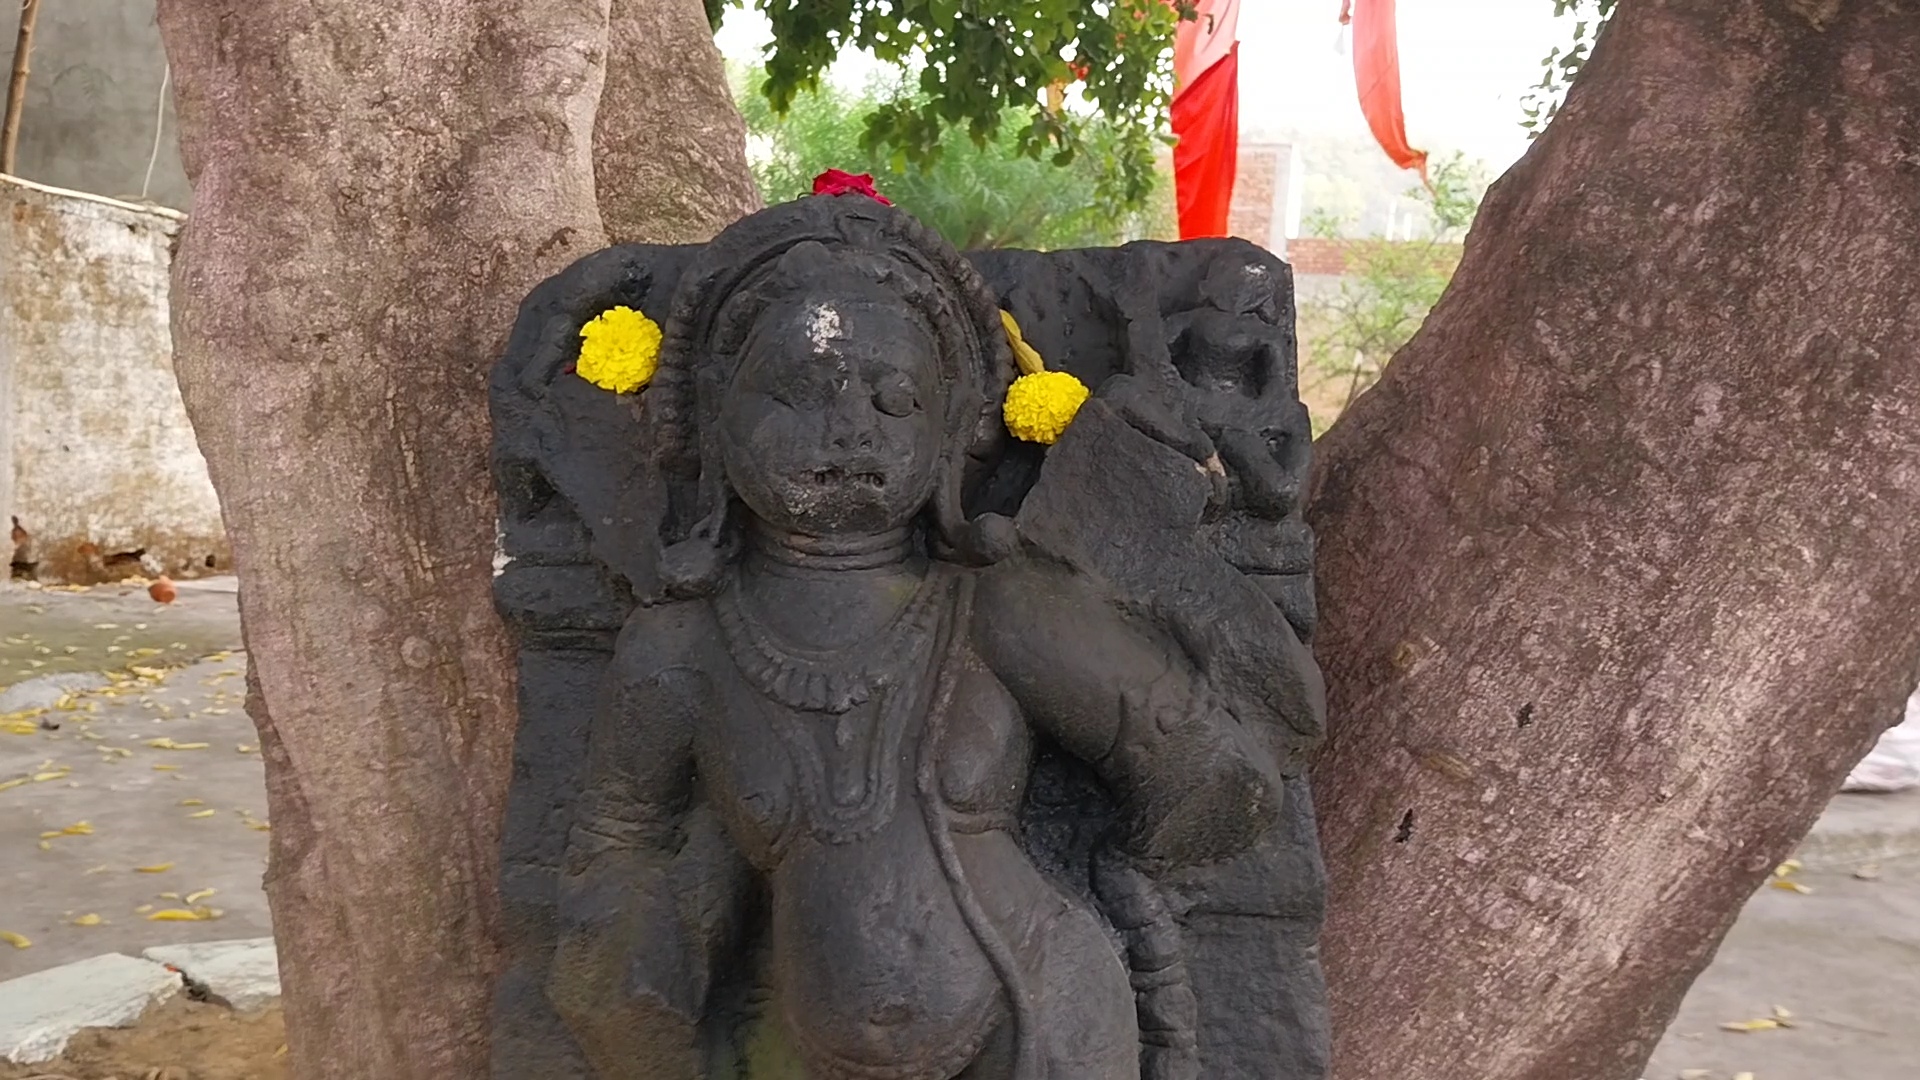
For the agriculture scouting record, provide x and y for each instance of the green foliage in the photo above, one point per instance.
(978, 195)
(1388, 289)
(1543, 99)
(988, 65)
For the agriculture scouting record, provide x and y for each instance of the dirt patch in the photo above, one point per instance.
(180, 1040)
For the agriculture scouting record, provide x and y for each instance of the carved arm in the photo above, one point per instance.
(1195, 783)
(638, 918)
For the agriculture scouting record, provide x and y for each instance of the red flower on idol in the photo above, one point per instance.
(838, 182)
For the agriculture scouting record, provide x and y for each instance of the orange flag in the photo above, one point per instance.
(1376, 73)
(1206, 117)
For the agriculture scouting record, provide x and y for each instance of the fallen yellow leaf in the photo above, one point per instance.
(169, 896)
(51, 774)
(1786, 868)
(78, 828)
(198, 914)
(88, 919)
(164, 743)
(193, 802)
(165, 768)
(1765, 1023)
(245, 749)
(46, 845)
(143, 909)
(18, 941)
(5, 784)
(259, 826)
(156, 868)
(196, 897)
(1790, 886)
(202, 813)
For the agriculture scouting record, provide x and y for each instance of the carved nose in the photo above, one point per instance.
(842, 439)
(850, 421)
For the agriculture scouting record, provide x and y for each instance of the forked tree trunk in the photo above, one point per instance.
(376, 183)
(1621, 559)
(669, 147)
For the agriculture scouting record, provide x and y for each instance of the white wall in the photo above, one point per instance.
(102, 452)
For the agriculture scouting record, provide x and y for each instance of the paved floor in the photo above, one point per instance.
(97, 772)
(1842, 959)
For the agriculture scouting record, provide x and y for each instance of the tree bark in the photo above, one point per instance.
(669, 147)
(376, 185)
(1618, 559)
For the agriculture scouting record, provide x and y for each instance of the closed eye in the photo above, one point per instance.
(895, 397)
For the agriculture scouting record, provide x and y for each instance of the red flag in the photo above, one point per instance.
(1376, 73)
(1206, 117)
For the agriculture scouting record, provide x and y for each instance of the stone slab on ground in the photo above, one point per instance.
(39, 1013)
(46, 691)
(244, 974)
(1864, 828)
(198, 812)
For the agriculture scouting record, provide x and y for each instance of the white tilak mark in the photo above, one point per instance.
(823, 325)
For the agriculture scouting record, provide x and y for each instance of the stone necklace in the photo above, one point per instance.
(852, 793)
(832, 681)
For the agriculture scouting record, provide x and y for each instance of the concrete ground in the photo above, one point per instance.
(97, 774)
(1844, 962)
(1842, 959)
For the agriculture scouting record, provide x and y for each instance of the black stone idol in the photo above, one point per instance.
(863, 741)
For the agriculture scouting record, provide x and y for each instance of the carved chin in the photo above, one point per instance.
(833, 502)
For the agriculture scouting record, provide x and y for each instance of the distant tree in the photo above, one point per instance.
(1388, 289)
(994, 68)
(977, 194)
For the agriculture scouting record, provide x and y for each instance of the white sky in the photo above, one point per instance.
(1464, 66)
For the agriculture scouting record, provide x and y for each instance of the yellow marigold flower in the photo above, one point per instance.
(1041, 405)
(619, 350)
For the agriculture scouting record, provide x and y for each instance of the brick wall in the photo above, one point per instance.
(1317, 255)
(1251, 215)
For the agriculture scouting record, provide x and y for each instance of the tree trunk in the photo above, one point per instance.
(1619, 557)
(376, 184)
(669, 147)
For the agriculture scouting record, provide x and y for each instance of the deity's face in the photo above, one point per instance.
(832, 425)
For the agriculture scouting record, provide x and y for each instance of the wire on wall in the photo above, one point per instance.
(159, 125)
